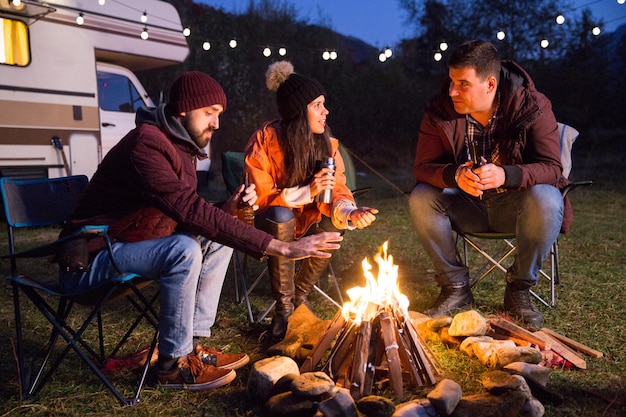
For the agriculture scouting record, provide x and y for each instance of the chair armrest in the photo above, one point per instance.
(573, 186)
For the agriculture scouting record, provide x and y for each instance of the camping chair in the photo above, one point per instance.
(232, 168)
(495, 261)
(49, 202)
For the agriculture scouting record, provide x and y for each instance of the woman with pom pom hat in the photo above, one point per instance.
(283, 160)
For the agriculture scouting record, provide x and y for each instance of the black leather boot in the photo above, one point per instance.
(517, 302)
(311, 269)
(452, 296)
(281, 271)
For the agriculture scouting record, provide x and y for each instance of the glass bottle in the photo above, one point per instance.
(245, 212)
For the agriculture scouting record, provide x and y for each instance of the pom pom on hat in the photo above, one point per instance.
(294, 92)
(194, 90)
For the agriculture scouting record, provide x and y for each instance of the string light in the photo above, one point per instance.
(443, 46)
(233, 43)
(144, 33)
(501, 35)
(80, 20)
(267, 52)
(16, 3)
(186, 32)
(438, 56)
(144, 17)
(596, 31)
(101, 2)
(560, 19)
(544, 43)
(282, 51)
(206, 45)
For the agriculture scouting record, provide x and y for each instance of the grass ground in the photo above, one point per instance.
(590, 309)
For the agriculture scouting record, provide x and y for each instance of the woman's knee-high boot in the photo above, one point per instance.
(281, 271)
(311, 269)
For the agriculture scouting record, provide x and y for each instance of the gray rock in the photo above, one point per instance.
(497, 382)
(311, 384)
(540, 374)
(376, 406)
(289, 405)
(339, 405)
(445, 396)
(416, 408)
(487, 405)
(264, 374)
(468, 323)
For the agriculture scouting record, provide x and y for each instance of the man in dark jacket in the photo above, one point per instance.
(145, 191)
(488, 160)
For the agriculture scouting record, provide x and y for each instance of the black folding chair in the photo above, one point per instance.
(49, 202)
(232, 168)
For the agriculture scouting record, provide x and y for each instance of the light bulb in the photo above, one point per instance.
(438, 56)
(282, 51)
(545, 43)
(233, 43)
(144, 34)
(186, 32)
(500, 35)
(325, 55)
(267, 52)
(596, 31)
(560, 19)
(80, 19)
(144, 17)
(206, 45)
(333, 55)
(382, 57)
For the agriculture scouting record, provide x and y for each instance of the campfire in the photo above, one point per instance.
(374, 339)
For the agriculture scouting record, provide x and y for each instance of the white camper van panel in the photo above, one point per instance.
(57, 93)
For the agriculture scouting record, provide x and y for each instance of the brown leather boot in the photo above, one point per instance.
(281, 271)
(309, 273)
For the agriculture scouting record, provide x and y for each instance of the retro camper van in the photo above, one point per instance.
(67, 88)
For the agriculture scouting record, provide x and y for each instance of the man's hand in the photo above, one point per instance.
(248, 195)
(314, 245)
(486, 177)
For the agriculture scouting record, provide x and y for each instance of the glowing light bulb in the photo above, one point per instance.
(382, 57)
(438, 56)
(144, 34)
(282, 51)
(101, 2)
(206, 45)
(443, 46)
(325, 55)
(144, 17)
(267, 52)
(596, 31)
(560, 19)
(233, 43)
(80, 19)
(544, 43)
(186, 32)
(500, 35)
(333, 55)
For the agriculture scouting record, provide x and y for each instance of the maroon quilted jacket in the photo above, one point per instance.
(145, 188)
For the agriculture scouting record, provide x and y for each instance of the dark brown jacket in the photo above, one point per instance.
(528, 138)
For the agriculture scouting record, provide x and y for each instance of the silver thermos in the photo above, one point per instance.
(326, 196)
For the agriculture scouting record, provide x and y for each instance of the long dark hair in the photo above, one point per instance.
(302, 149)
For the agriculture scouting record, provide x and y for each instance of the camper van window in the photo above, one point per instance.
(14, 43)
(117, 93)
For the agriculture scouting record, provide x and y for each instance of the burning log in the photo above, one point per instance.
(373, 336)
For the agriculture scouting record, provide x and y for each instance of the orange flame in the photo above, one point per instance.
(379, 294)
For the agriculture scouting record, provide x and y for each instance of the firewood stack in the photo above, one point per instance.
(374, 339)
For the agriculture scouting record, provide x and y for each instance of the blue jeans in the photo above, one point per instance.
(191, 272)
(534, 215)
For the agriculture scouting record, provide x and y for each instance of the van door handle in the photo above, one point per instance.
(107, 124)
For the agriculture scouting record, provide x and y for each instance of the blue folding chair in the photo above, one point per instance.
(49, 202)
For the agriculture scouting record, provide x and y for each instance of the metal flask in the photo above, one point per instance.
(326, 196)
